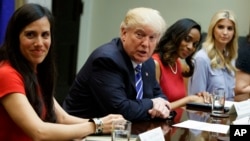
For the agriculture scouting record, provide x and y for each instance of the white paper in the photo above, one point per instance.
(101, 138)
(241, 108)
(212, 127)
(152, 135)
(98, 138)
(242, 121)
(229, 104)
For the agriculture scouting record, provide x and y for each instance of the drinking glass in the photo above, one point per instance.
(218, 101)
(121, 130)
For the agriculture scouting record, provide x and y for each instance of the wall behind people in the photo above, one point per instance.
(46, 3)
(102, 18)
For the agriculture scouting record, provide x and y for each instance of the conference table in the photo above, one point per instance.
(172, 133)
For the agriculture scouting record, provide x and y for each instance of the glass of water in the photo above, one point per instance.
(218, 101)
(121, 130)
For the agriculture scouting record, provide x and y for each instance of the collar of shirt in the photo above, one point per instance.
(134, 64)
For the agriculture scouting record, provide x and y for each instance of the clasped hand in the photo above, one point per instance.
(161, 108)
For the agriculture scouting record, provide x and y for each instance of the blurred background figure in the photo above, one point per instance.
(242, 86)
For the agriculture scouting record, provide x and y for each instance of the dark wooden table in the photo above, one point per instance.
(183, 134)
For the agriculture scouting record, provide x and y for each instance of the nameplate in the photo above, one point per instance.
(239, 132)
(155, 134)
(241, 108)
(242, 121)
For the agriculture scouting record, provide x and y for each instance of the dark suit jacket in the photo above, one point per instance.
(106, 84)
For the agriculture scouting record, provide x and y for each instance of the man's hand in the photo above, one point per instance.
(161, 108)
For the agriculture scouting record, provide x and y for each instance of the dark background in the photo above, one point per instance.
(67, 15)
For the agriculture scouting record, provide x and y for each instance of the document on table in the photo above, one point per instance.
(242, 108)
(212, 127)
(229, 104)
(104, 138)
(155, 134)
(242, 121)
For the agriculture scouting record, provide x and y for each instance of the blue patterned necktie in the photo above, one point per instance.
(138, 82)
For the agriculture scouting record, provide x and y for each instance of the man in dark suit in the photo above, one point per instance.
(106, 83)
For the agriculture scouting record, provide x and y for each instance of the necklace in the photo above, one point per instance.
(174, 71)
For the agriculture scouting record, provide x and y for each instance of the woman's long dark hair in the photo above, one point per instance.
(171, 40)
(46, 71)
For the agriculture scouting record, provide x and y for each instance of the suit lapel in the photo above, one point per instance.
(128, 65)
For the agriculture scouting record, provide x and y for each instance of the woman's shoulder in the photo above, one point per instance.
(201, 55)
(6, 67)
(6, 70)
(157, 60)
(156, 56)
(10, 80)
(201, 52)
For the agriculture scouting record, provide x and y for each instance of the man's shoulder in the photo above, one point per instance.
(109, 48)
(150, 61)
(111, 53)
(149, 65)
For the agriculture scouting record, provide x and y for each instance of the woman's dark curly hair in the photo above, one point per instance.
(45, 76)
(169, 43)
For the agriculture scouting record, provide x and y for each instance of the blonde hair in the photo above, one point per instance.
(217, 58)
(144, 16)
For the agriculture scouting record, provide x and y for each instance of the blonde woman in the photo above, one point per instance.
(214, 62)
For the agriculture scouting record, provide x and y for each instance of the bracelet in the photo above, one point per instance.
(98, 125)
